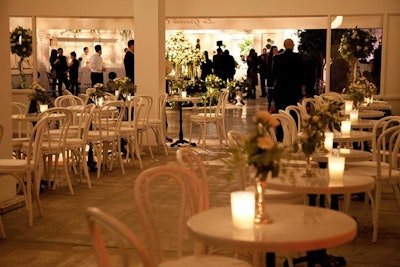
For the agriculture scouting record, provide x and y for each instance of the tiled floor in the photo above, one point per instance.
(60, 237)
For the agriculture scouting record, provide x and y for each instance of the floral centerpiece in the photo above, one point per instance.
(356, 44)
(237, 87)
(39, 94)
(98, 91)
(261, 152)
(313, 128)
(184, 57)
(359, 89)
(123, 85)
(21, 45)
(213, 84)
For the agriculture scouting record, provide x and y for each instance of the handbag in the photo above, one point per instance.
(53, 74)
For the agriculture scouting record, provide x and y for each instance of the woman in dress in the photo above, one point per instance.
(252, 76)
(53, 62)
(73, 67)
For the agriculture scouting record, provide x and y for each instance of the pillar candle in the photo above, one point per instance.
(243, 209)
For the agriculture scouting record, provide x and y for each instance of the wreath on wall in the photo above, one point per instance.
(21, 45)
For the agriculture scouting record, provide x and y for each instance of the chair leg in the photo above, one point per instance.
(148, 143)
(376, 212)
(85, 167)
(2, 232)
(65, 163)
(396, 190)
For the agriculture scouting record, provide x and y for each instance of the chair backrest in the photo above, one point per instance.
(37, 135)
(333, 96)
(189, 158)
(161, 105)
(99, 222)
(387, 150)
(59, 119)
(382, 124)
(183, 189)
(288, 126)
(134, 110)
(108, 118)
(68, 100)
(310, 103)
(20, 128)
(85, 120)
(222, 101)
(209, 108)
(297, 112)
(147, 105)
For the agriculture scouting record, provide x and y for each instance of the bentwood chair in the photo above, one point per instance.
(27, 171)
(101, 223)
(186, 192)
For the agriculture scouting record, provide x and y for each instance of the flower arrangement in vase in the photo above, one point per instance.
(237, 87)
(356, 44)
(123, 85)
(260, 152)
(359, 89)
(39, 94)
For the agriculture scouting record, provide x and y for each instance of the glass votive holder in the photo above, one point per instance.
(117, 93)
(354, 115)
(43, 107)
(336, 168)
(243, 209)
(345, 128)
(328, 143)
(348, 106)
(100, 101)
(129, 97)
(184, 94)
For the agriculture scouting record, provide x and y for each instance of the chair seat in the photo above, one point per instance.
(11, 164)
(205, 261)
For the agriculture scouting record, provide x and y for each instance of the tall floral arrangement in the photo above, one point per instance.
(183, 55)
(356, 44)
(21, 45)
(241, 84)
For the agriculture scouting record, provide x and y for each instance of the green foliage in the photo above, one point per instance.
(246, 45)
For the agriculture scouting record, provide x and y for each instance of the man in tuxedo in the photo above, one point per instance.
(287, 69)
(129, 61)
(61, 67)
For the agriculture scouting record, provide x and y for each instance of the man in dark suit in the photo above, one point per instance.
(287, 69)
(129, 61)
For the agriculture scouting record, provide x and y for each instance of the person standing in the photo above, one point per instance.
(85, 57)
(252, 64)
(96, 66)
(53, 71)
(270, 78)
(287, 69)
(73, 66)
(62, 71)
(206, 67)
(129, 61)
(229, 66)
(262, 69)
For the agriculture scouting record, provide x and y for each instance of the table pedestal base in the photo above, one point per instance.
(182, 142)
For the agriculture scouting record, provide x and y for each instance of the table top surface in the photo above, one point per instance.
(353, 137)
(293, 228)
(351, 155)
(363, 124)
(183, 99)
(291, 181)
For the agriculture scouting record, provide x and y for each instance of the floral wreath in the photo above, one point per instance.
(356, 44)
(21, 42)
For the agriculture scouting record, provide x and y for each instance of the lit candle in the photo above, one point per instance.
(348, 106)
(243, 209)
(336, 168)
(184, 94)
(354, 115)
(100, 101)
(328, 143)
(116, 93)
(345, 128)
(128, 97)
(43, 107)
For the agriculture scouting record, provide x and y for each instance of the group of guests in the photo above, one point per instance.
(222, 65)
(60, 69)
(67, 73)
(282, 75)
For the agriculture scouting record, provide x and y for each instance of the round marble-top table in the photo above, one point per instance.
(354, 136)
(291, 181)
(351, 155)
(293, 228)
(363, 124)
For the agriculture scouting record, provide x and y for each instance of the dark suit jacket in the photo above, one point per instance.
(287, 69)
(129, 62)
